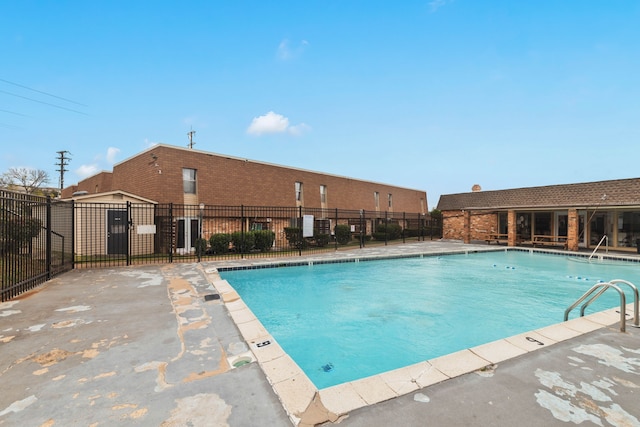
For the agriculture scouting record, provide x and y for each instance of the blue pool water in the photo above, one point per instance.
(346, 321)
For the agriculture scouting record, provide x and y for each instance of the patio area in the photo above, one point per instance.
(153, 345)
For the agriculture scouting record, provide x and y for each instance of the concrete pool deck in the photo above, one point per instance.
(151, 345)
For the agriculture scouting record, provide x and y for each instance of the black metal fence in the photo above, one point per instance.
(40, 237)
(36, 241)
(113, 234)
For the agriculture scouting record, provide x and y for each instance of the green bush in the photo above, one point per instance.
(413, 232)
(294, 237)
(343, 234)
(16, 232)
(264, 240)
(322, 240)
(243, 242)
(200, 246)
(220, 243)
(379, 236)
(392, 231)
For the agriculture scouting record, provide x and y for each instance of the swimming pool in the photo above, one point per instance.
(341, 322)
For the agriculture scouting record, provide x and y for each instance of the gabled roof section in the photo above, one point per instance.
(112, 197)
(619, 192)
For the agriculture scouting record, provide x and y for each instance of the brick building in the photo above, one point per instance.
(168, 174)
(197, 181)
(573, 216)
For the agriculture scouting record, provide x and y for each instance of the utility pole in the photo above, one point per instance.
(63, 160)
(191, 133)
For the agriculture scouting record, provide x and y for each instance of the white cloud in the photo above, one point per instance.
(112, 152)
(99, 163)
(298, 130)
(275, 123)
(434, 5)
(285, 52)
(87, 170)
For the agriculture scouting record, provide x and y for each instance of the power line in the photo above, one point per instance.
(42, 102)
(42, 92)
(6, 126)
(13, 112)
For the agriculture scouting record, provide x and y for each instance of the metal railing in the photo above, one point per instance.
(602, 288)
(111, 234)
(598, 246)
(41, 237)
(35, 241)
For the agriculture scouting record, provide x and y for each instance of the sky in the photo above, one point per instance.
(435, 95)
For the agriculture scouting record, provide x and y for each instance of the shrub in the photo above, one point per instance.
(243, 242)
(294, 237)
(392, 231)
(220, 243)
(380, 236)
(322, 240)
(412, 232)
(343, 233)
(16, 232)
(200, 246)
(264, 240)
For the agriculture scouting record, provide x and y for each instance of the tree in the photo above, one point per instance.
(26, 178)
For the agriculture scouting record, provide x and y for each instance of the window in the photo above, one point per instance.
(390, 198)
(323, 194)
(189, 181)
(628, 228)
(376, 199)
(298, 192)
(322, 226)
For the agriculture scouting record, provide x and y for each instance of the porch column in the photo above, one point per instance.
(512, 231)
(466, 234)
(572, 230)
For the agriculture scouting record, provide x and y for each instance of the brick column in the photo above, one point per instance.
(512, 229)
(466, 236)
(572, 230)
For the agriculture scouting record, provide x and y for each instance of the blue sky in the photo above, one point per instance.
(436, 95)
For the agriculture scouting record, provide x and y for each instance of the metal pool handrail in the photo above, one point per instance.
(599, 243)
(636, 297)
(605, 286)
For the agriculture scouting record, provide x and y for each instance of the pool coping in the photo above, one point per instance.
(306, 405)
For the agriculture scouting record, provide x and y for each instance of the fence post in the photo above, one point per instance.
(364, 226)
(335, 240)
(242, 242)
(404, 227)
(301, 230)
(127, 234)
(73, 234)
(431, 228)
(171, 233)
(361, 236)
(48, 238)
(386, 227)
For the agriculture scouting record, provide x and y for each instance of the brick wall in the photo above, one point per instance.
(480, 224)
(483, 224)
(453, 225)
(156, 174)
(98, 183)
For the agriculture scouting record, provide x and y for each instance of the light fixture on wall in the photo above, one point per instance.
(154, 162)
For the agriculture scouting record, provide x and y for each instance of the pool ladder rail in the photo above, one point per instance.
(601, 288)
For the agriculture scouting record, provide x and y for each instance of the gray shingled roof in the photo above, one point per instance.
(619, 192)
